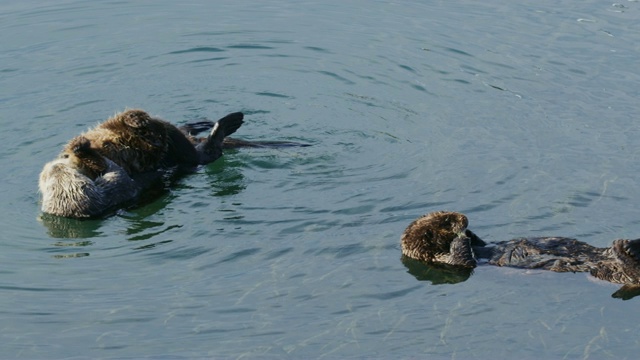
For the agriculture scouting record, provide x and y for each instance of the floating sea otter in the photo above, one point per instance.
(443, 238)
(116, 161)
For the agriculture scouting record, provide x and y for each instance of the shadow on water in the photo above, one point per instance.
(438, 274)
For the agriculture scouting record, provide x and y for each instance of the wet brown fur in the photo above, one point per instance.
(129, 153)
(140, 143)
(431, 237)
(85, 159)
(81, 183)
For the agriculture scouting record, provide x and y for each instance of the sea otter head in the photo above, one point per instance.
(137, 127)
(67, 184)
(83, 158)
(431, 236)
(456, 222)
(67, 191)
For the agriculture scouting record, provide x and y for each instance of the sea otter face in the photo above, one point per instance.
(68, 183)
(430, 236)
(83, 158)
(455, 222)
(443, 227)
(67, 191)
(139, 123)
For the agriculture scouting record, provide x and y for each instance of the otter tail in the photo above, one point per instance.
(211, 149)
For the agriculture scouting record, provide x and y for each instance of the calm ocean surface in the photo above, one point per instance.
(523, 115)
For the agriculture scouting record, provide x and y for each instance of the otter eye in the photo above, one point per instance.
(64, 156)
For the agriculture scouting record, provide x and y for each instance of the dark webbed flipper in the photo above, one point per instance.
(196, 127)
(211, 149)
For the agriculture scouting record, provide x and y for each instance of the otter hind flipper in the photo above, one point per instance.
(228, 124)
(195, 128)
(211, 149)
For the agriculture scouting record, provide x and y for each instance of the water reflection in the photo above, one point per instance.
(438, 274)
(627, 292)
(225, 177)
(61, 227)
(70, 244)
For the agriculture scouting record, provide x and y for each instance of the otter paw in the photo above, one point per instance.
(461, 253)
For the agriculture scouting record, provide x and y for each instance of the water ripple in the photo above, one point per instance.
(392, 294)
(249, 46)
(271, 94)
(184, 253)
(337, 77)
(341, 251)
(197, 49)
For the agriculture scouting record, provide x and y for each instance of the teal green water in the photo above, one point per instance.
(521, 115)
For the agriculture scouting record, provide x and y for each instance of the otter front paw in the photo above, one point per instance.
(461, 253)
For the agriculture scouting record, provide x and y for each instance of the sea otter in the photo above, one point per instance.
(442, 237)
(114, 162)
(140, 143)
(82, 183)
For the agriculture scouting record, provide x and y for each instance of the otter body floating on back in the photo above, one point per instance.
(127, 154)
(443, 238)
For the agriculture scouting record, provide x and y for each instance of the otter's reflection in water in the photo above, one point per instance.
(437, 274)
(225, 176)
(627, 292)
(67, 228)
